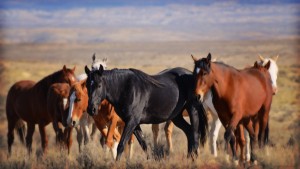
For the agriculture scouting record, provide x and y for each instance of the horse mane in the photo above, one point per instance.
(146, 78)
(45, 83)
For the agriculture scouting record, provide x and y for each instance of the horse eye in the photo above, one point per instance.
(77, 100)
(204, 73)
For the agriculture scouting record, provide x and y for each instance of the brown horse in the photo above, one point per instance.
(58, 94)
(27, 100)
(239, 96)
(78, 105)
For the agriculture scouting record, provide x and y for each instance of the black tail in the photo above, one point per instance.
(21, 128)
(203, 125)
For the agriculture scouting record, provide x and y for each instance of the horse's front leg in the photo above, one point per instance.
(43, 137)
(130, 125)
(187, 129)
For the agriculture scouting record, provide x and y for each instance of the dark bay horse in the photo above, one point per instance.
(27, 100)
(239, 96)
(139, 98)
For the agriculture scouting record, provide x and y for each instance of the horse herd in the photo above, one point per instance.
(117, 101)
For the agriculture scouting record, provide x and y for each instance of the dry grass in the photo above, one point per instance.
(152, 58)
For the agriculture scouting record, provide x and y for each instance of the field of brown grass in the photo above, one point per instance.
(34, 61)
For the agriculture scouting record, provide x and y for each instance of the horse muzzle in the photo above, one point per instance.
(92, 110)
(275, 90)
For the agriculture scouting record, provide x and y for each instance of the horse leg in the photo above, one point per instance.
(247, 139)
(111, 131)
(30, 131)
(216, 123)
(253, 139)
(21, 128)
(94, 129)
(10, 134)
(130, 146)
(241, 141)
(155, 131)
(79, 136)
(168, 132)
(186, 128)
(214, 132)
(44, 138)
(140, 137)
(84, 128)
(68, 137)
(130, 125)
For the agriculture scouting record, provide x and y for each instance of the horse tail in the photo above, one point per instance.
(21, 128)
(203, 125)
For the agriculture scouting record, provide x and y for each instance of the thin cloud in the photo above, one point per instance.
(150, 23)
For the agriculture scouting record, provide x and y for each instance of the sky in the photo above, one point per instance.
(90, 21)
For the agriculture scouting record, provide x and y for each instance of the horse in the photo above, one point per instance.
(139, 98)
(248, 104)
(57, 107)
(106, 116)
(27, 100)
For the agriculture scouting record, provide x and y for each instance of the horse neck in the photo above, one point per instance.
(44, 84)
(220, 73)
(115, 81)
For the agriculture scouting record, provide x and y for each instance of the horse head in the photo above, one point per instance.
(203, 76)
(96, 63)
(78, 102)
(273, 70)
(96, 89)
(68, 75)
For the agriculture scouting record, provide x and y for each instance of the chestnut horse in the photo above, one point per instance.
(106, 115)
(239, 96)
(27, 100)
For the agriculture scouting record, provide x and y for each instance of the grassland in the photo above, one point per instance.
(34, 61)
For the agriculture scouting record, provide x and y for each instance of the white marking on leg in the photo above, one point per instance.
(114, 150)
(247, 138)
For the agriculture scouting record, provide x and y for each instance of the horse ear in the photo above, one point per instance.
(195, 60)
(267, 66)
(101, 69)
(275, 58)
(73, 70)
(87, 70)
(65, 68)
(256, 64)
(209, 57)
(94, 57)
(260, 57)
(104, 60)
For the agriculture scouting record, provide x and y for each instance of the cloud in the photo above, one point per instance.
(150, 23)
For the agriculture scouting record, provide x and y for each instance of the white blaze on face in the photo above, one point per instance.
(96, 65)
(197, 70)
(273, 70)
(65, 101)
(71, 107)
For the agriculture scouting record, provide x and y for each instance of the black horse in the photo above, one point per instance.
(139, 98)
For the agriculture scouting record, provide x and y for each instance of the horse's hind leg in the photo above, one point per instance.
(10, 134)
(44, 138)
(155, 131)
(30, 131)
(168, 132)
(21, 128)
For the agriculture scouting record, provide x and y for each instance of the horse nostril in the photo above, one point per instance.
(73, 123)
(94, 110)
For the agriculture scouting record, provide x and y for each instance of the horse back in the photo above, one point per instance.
(24, 102)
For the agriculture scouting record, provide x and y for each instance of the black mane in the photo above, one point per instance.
(146, 78)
